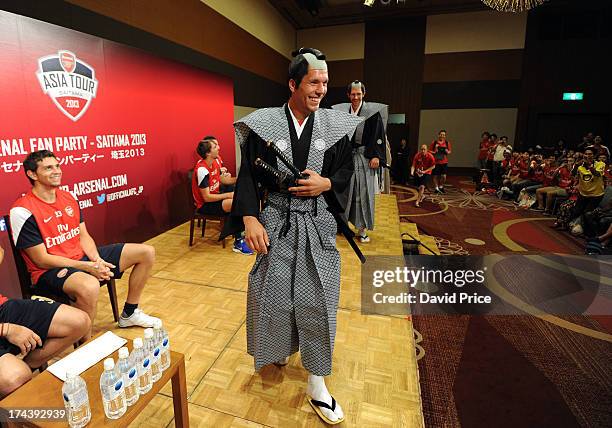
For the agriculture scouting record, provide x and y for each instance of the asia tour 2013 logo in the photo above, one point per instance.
(69, 81)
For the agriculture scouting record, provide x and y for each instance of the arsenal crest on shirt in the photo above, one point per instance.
(69, 81)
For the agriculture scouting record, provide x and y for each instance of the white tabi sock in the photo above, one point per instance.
(318, 391)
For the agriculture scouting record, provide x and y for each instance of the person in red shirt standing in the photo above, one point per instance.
(48, 227)
(422, 166)
(36, 331)
(440, 149)
(483, 150)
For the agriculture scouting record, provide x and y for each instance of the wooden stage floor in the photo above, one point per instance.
(200, 294)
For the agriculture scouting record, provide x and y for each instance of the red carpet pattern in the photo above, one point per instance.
(521, 370)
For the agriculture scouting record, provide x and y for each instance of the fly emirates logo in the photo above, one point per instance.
(64, 234)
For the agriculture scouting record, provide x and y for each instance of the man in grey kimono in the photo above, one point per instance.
(294, 284)
(369, 150)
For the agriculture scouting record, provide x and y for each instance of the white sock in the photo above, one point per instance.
(362, 233)
(318, 391)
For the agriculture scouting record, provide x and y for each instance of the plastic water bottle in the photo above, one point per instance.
(154, 350)
(143, 360)
(162, 336)
(113, 393)
(129, 371)
(76, 400)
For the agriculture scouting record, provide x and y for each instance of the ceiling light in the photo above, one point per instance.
(513, 5)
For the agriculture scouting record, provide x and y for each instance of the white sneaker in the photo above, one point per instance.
(138, 318)
(364, 238)
(577, 229)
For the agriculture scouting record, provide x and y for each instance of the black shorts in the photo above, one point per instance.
(212, 208)
(440, 169)
(53, 279)
(33, 314)
(225, 188)
(422, 180)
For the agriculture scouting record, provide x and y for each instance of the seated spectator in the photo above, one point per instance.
(560, 150)
(590, 183)
(598, 148)
(542, 175)
(62, 257)
(527, 173)
(587, 140)
(206, 185)
(513, 173)
(607, 172)
(605, 238)
(566, 210)
(36, 331)
(562, 178)
(598, 221)
(422, 166)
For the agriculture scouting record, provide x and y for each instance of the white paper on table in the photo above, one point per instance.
(87, 355)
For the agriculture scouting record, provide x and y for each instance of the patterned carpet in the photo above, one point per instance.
(520, 370)
(465, 219)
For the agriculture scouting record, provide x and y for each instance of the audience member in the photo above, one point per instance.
(483, 150)
(498, 156)
(422, 166)
(598, 148)
(590, 183)
(440, 148)
(546, 195)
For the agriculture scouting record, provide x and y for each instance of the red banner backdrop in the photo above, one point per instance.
(124, 124)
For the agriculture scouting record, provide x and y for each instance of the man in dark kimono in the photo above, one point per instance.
(294, 284)
(369, 150)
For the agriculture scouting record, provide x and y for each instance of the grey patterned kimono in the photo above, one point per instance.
(368, 142)
(293, 290)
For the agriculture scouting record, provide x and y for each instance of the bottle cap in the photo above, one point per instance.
(123, 352)
(109, 364)
(148, 333)
(70, 373)
(138, 342)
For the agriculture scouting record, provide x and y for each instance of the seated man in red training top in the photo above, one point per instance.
(212, 187)
(37, 331)
(62, 257)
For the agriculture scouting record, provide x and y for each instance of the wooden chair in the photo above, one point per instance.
(28, 290)
(196, 216)
(203, 217)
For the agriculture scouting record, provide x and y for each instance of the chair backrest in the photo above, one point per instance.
(191, 199)
(25, 281)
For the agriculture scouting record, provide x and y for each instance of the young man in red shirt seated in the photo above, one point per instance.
(212, 187)
(37, 331)
(422, 165)
(549, 192)
(48, 227)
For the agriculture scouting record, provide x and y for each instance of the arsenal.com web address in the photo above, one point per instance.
(122, 194)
